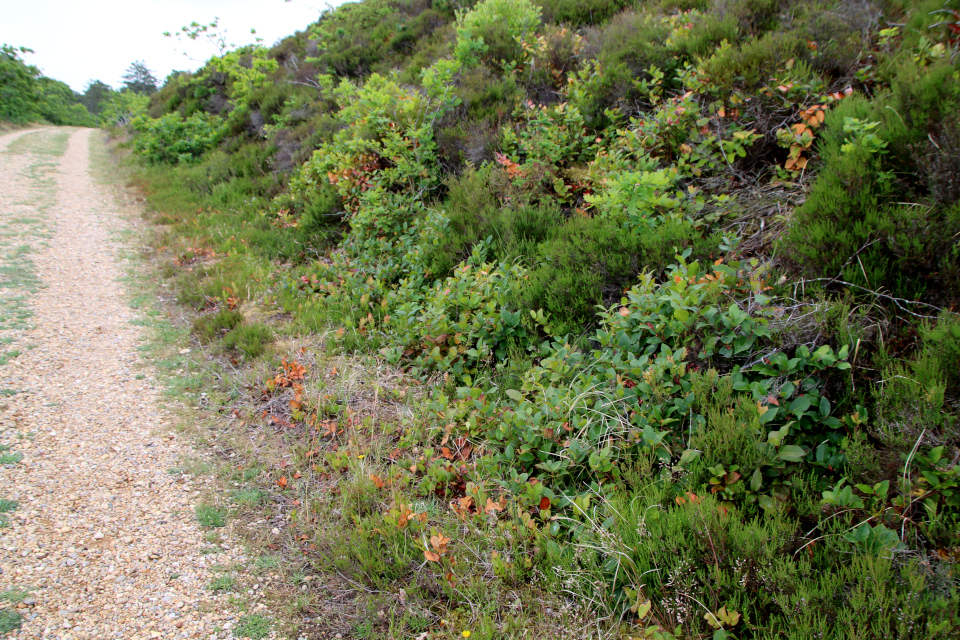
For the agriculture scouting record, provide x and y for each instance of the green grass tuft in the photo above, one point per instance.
(209, 515)
(250, 340)
(10, 620)
(222, 583)
(253, 626)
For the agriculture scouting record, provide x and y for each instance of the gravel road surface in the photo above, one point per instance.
(102, 541)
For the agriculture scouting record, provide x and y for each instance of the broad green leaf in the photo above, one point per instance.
(643, 609)
(513, 394)
(791, 453)
(769, 414)
(801, 404)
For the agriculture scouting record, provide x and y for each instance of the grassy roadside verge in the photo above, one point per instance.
(9, 127)
(304, 436)
(187, 379)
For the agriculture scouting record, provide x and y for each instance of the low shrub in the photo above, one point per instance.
(249, 339)
(591, 261)
(579, 14)
(475, 214)
(211, 326)
(753, 62)
(699, 566)
(459, 324)
(856, 224)
(496, 31)
(172, 139)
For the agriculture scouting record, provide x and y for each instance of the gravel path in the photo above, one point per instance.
(104, 538)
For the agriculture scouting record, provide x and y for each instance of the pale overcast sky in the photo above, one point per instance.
(97, 40)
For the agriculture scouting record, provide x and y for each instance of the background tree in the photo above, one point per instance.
(139, 79)
(61, 105)
(26, 95)
(95, 96)
(18, 86)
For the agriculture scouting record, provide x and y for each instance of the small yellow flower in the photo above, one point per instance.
(466, 634)
(361, 457)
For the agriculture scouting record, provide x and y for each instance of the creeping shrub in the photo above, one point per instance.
(460, 323)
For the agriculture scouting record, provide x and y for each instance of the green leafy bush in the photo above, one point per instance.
(26, 95)
(498, 31)
(461, 323)
(172, 139)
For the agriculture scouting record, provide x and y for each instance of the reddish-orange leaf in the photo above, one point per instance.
(544, 503)
(282, 482)
(492, 507)
(376, 481)
(431, 556)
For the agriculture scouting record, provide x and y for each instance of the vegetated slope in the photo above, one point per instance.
(682, 275)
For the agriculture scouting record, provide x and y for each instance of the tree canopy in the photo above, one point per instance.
(139, 79)
(26, 95)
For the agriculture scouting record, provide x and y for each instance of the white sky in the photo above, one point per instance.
(78, 41)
